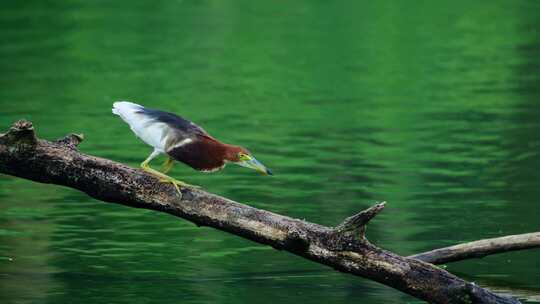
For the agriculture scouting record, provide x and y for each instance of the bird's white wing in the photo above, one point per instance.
(149, 130)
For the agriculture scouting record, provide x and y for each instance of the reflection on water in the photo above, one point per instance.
(432, 107)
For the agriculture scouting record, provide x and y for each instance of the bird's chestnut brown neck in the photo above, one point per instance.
(206, 154)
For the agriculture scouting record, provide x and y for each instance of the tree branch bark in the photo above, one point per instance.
(343, 248)
(480, 249)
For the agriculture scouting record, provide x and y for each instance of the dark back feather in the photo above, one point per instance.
(174, 121)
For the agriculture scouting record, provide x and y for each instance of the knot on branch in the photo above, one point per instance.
(351, 232)
(71, 140)
(21, 134)
(296, 241)
(23, 124)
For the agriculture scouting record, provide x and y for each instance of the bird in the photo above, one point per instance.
(181, 140)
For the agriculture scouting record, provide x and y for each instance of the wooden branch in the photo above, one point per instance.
(342, 248)
(480, 249)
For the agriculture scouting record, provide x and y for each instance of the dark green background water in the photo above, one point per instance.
(432, 106)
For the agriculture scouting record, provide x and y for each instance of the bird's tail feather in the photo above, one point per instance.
(127, 111)
(121, 107)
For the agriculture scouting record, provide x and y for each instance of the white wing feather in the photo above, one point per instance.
(151, 132)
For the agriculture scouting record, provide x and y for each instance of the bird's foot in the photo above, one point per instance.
(166, 179)
(178, 184)
(167, 166)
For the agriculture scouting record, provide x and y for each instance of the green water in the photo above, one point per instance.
(432, 106)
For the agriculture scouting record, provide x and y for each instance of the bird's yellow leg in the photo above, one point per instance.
(163, 177)
(167, 166)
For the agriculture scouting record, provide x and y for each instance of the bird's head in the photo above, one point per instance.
(243, 157)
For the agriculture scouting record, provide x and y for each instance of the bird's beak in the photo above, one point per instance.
(255, 165)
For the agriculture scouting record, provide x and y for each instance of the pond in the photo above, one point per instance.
(433, 107)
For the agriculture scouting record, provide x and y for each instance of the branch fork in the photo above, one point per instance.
(356, 224)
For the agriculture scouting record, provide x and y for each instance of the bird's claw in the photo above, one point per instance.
(178, 184)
